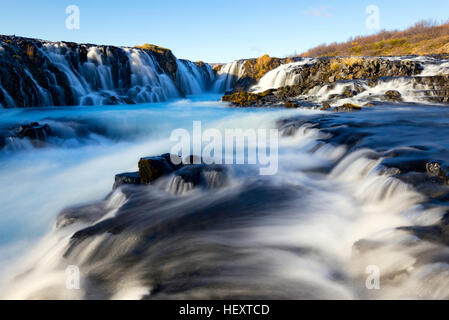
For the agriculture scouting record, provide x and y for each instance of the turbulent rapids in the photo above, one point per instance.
(353, 191)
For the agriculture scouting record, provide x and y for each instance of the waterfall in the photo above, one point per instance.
(284, 75)
(191, 79)
(59, 73)
(228, 75)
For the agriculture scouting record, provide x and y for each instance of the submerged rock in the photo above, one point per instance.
(34, 131)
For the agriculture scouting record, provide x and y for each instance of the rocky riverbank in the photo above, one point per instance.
(337, 81)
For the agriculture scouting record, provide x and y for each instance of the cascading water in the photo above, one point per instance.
(352, 190)
(228, 75)
(284, 75)
(308, 232)
(424, 87)
(192, 79)
(97, 75)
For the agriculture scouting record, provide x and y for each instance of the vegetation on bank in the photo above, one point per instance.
(153, 48)
(423, 38)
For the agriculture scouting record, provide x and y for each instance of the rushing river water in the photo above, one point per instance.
(310, 231)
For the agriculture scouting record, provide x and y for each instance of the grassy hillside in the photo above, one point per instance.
(423, 38)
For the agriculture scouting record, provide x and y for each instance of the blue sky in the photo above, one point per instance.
(213, 31)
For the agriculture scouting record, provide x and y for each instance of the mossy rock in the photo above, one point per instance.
(152, 168)
(290, 105)
(348, 107)
(243, 99)
(326, 106)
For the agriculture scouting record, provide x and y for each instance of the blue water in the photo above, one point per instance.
(98, 142)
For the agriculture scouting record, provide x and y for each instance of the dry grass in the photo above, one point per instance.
(257, 68)
(425, 37)
(153, 48)
(337, 64)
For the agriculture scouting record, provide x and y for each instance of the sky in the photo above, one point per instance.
(214, 31)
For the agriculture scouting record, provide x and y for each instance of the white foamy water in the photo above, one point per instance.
(284, 75)
(104, 73)
(228, 75)
(295, 231)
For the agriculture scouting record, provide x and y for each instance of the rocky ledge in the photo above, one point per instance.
(432, 89)
(351, 78)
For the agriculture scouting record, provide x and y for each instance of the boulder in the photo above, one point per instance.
(437, 169)
(126, 178)
(152, 168)
(34, 131)
(347, 107)
(393, 95)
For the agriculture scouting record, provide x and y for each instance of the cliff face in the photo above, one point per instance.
(39, 73)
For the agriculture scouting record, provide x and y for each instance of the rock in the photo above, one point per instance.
(126, 178)
(34, 131)
(347, 107)
(210, 176)
(430, 186)
(326, 106)
(173, 160)
(192, 160)
(164, 57)
(290, 105)
(243, 99)
(436, 169)
(393, 95)
(152, 168)
(187, 174)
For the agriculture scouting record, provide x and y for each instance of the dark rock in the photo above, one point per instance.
(126, 178)
(173, 160)
(393, 95)
(436, 169)
(425, 184)
(210, 176)
(192, 160)
(347, 107)
(244, 99)
(152, 168)
(34, 131)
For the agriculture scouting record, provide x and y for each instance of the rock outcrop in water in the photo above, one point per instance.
(186, 174)
(35, 133)
(39, 73)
